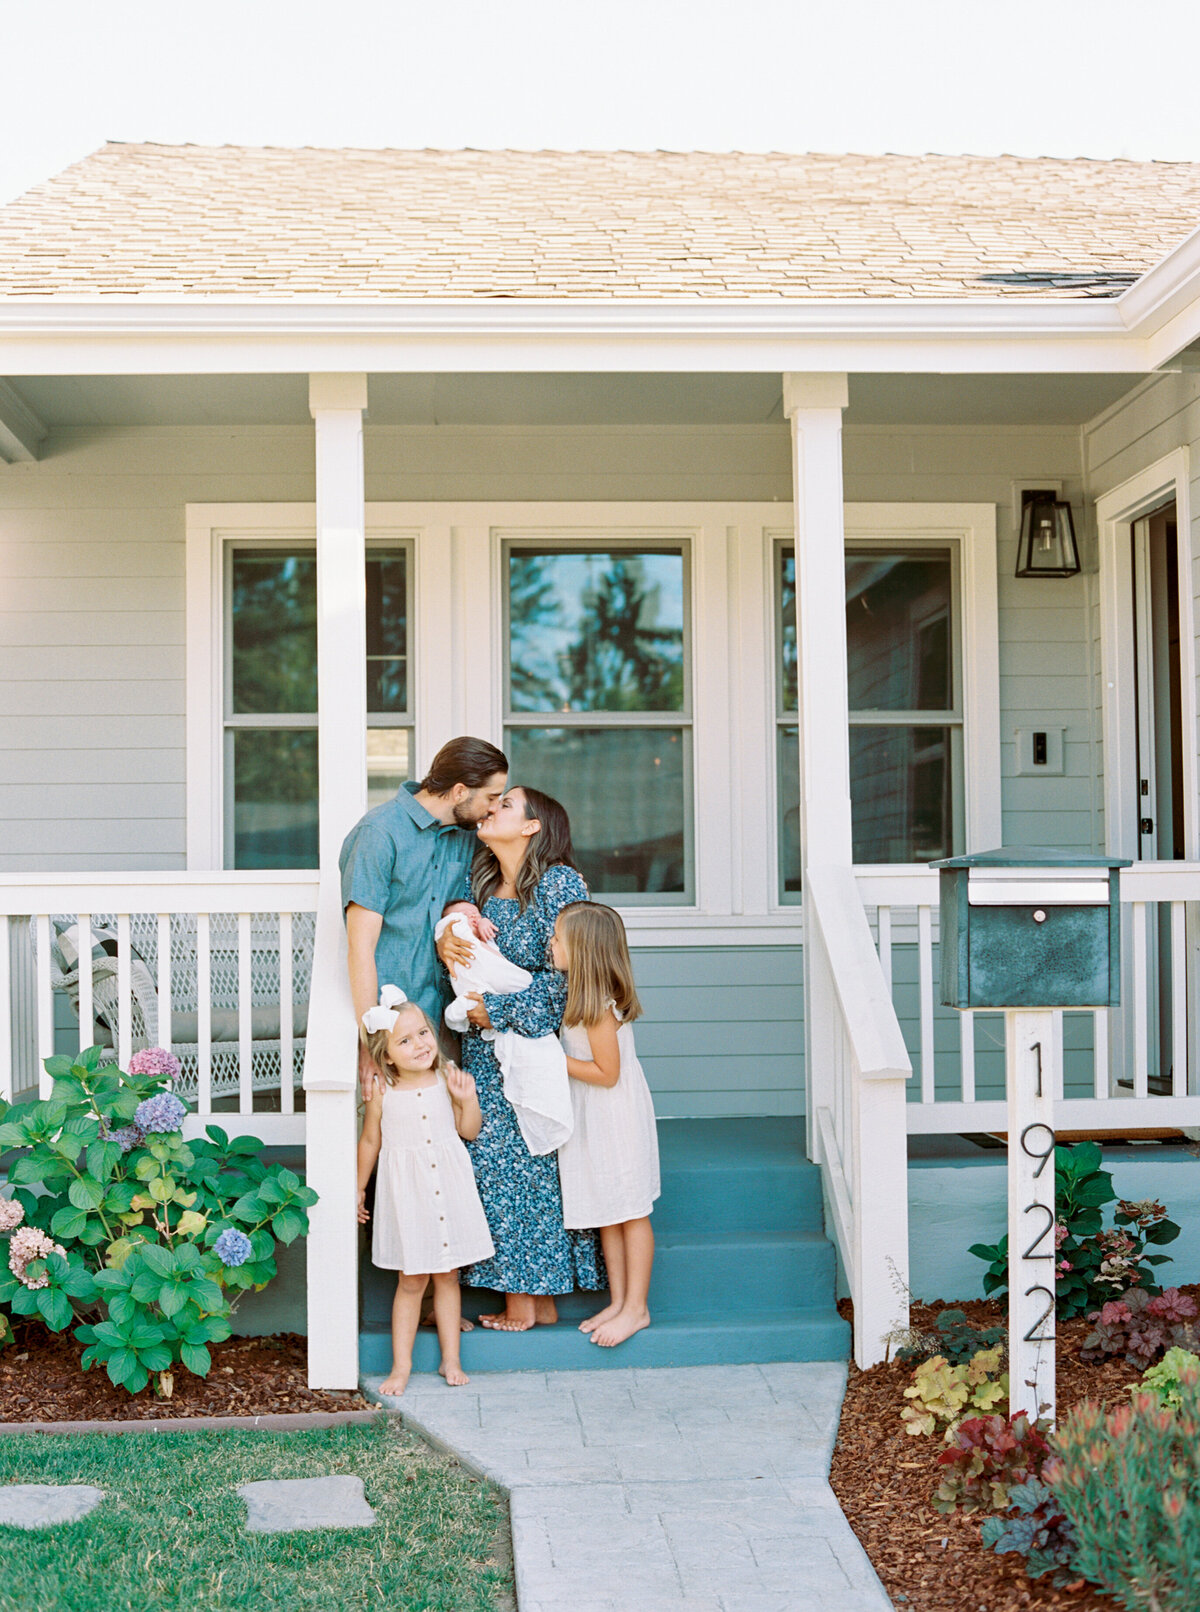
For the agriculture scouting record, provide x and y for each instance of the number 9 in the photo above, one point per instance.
(1032, 1152)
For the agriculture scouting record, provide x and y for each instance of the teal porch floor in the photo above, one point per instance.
(743, 1274)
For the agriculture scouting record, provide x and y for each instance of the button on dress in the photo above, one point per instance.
(428, 1216)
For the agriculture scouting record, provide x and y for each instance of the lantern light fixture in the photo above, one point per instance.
(1047, 547)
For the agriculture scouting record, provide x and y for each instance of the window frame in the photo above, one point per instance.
(683, 719)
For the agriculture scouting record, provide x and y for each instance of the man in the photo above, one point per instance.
(402, 864)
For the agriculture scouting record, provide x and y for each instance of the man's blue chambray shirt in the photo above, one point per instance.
(400, 862)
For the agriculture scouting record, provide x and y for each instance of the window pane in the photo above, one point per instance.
(595, 631)
(275, 797)
(900, 793)
(788, 690)
(898, 631)
(387, 631)
(624, 791)
(789, 813)
(274, 631)
(388, 763)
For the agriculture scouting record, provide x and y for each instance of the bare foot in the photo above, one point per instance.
(608, 1313)
(545, 1311)
(622, 1326)
(455, 1376)
(505, 1323)
(396, 1381)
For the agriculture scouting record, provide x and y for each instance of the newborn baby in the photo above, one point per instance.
(534, 1067)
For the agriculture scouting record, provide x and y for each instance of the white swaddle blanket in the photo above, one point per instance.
(534, 1067)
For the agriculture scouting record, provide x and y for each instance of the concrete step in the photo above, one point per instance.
(697, 1340)
(736, 1175)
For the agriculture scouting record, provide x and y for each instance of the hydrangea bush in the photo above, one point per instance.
(118, 1228)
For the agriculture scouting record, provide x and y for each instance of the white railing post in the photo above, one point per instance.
(330, 1063)
(814, 404)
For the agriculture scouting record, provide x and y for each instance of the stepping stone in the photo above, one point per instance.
(291, 1505)
(45, 1505)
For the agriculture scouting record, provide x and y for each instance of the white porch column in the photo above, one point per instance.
(331, 1064)
(814, 404)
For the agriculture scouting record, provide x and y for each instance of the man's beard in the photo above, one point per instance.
(464, 820)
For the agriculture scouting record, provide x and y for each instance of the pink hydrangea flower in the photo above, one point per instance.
(11, 1214)
(26, 1245)
(155, 1061)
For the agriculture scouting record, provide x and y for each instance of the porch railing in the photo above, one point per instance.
(215, 966)
(1132, 1067)
(859, 1066)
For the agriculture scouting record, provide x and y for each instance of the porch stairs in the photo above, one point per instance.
(743, 1272)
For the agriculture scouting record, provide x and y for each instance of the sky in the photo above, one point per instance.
(1032, 77)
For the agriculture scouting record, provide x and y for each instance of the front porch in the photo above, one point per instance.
(124, 539)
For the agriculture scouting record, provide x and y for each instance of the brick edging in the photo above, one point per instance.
(277, 1422)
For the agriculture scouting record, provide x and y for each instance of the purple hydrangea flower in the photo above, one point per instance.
(128, 1137)
(162, 1112)
(232, 1247)
(155, 1061)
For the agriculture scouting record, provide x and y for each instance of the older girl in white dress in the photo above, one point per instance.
(609, 1165)
(428, 1217)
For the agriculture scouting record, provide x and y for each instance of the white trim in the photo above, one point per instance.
(1116, 511)
(457, 680)
(20, 428)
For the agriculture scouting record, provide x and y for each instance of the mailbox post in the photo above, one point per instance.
(1030, 931)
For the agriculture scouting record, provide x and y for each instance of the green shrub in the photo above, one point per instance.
(987, 1457)
(1036, 1527)
(139, 1240)
(1092, 1263)
(1166, 1378)
(1129, 1483)
(1138, 1328)
(954, 1338)
(943, 1394)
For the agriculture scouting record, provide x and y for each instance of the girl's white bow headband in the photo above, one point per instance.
(385, 1015)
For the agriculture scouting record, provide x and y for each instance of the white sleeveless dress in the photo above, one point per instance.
(609, 1165)
(428, 1216)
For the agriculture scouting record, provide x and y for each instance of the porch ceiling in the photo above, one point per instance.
(524, 399)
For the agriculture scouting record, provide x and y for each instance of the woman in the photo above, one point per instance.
(523, 875)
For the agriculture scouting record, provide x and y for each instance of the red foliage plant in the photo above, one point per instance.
(1140, 1328)
(987, 1456)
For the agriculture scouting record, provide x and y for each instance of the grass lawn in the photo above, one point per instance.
(169, 1533)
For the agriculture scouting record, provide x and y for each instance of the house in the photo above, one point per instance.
(696, 480)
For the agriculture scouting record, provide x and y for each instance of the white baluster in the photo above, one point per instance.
(1141, 1037)
(165, 1032)
(1179, 1013)
(1101, 1074)
(87, 1006)
(287, 1073)
(925, 978)
(204, 1014)
(45, 1006)
(885, 945)
(6, 1024)
(966, 1053)
(124, 991)
(245, 1030)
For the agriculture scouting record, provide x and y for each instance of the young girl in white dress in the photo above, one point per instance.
(609, 1165)
(428, 1217)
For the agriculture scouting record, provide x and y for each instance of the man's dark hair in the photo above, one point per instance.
(463, 761)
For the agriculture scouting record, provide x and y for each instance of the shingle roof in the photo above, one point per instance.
(269, 222)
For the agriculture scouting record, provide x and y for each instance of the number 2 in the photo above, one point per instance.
(1033, 1335)
(1045, 1231)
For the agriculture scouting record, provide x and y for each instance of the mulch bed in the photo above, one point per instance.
(41, 1380)
(885, 1479)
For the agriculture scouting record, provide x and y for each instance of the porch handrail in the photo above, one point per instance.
(862, 1147)
(263, 890)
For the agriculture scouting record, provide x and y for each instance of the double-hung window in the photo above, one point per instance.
(270, 699)
(598, 704)
(905, 675)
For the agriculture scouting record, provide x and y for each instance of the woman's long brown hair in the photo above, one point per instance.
(600, 971)
(546, 849)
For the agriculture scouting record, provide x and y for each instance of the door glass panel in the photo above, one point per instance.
(900, 790)
(624, 792)
(595, 630)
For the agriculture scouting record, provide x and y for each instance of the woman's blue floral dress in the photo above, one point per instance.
(520, 1194)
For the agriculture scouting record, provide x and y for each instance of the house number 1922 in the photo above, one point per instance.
(1032, 1070)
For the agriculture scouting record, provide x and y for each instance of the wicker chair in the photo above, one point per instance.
(223, 951)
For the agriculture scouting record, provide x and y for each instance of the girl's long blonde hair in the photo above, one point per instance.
(377, 1045)
(600, 970)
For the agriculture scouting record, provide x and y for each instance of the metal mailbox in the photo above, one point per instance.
(1029, 928)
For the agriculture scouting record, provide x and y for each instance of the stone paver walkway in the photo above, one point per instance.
(702, 1488)
(45, 1505)
(290, 1505)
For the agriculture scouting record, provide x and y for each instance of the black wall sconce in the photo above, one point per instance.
(1047, 547)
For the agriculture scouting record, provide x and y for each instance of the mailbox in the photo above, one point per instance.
(1028, 928)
